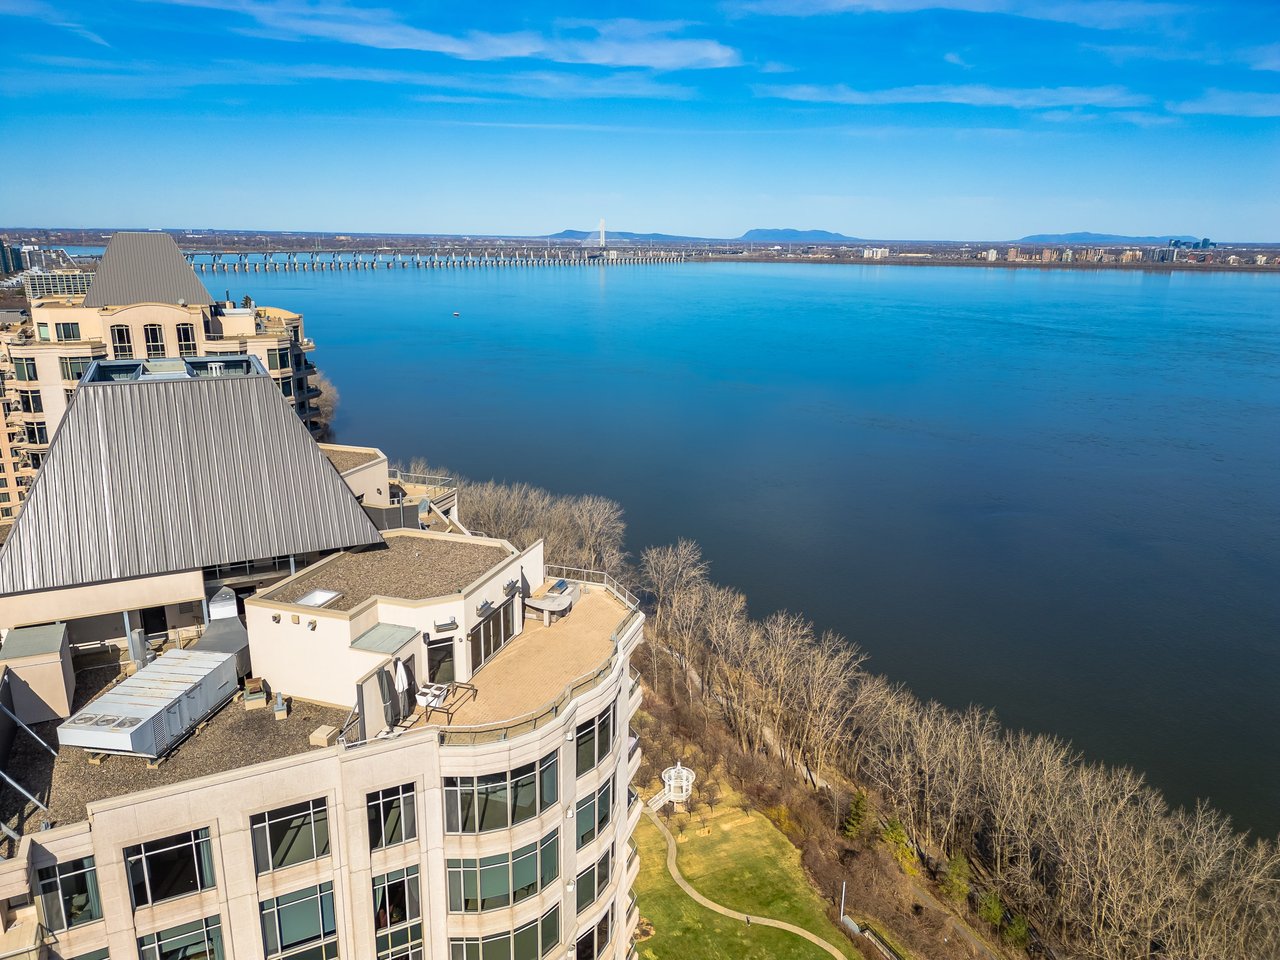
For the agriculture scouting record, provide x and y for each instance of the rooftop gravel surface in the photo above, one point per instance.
(344, 460)
(408, 568)
(233, 738)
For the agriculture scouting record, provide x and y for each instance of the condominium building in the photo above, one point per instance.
(39, 284)
(399, 745)
(143, 301)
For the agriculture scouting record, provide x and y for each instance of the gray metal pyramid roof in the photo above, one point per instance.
(153, 476)
(144, 268)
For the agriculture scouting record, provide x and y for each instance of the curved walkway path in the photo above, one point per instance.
(674, 870)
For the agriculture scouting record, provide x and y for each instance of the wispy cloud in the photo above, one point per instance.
(968, 94)
(609, 43)
(1138, 118)
(36, 10)
(1263, 58)
(1231, 103)
(1095, 14)
(136, 79)
(956, 60)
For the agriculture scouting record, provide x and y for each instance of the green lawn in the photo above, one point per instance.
(744, 864)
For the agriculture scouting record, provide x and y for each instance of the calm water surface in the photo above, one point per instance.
(1056, 494)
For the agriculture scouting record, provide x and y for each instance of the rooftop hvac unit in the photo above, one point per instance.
(158, 706)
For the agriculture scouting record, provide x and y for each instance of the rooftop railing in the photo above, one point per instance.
(465, 736)
(420, 479)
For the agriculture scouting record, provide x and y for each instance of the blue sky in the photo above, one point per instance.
(965, 119)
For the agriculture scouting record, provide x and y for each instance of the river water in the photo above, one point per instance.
(1056, 494)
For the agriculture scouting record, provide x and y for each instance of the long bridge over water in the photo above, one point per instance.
(336, 260)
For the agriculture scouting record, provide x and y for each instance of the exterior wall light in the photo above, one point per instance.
(311, 624)
(275, 618)
(569, 887)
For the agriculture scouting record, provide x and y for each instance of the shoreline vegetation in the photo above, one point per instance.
(1054, 853)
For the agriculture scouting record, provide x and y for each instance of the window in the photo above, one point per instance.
(73, 368)
(490, 883)
(186, 340)
(99, 954)
(69, 894)
(595, 740)
(67, 331)
(121, 343)
(35, 459)
(301, 924)
(594, 813)
(172, 867)
(391, 817)
(200, 940)
(24, 368)
(153, 336)
(290, 835)
(500, 800)
(37, 432)
(440, 661)
(529, 942)
(278, 359)
(286, 386)
(30, 401)
(42, 331)
(593, 943)
(592, 881)
(67, 393)
(395, 898)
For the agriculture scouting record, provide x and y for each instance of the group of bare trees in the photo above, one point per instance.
(585, 531)
(1091, 855)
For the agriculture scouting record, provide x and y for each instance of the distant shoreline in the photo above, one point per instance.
(1144, 267)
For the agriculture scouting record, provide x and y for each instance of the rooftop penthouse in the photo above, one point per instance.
(490, 638)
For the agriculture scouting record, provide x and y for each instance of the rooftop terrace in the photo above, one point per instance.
(538, 664)
(232, 738)
(407, 568)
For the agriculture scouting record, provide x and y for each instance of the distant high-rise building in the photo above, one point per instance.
(11, 258)
(875, 253)
(1013, 254)
(57, 283)
(992, 255)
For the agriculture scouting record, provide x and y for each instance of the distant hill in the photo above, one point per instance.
(1101, 238)
(795, 236)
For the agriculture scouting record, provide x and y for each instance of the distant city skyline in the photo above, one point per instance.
(951, 119)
